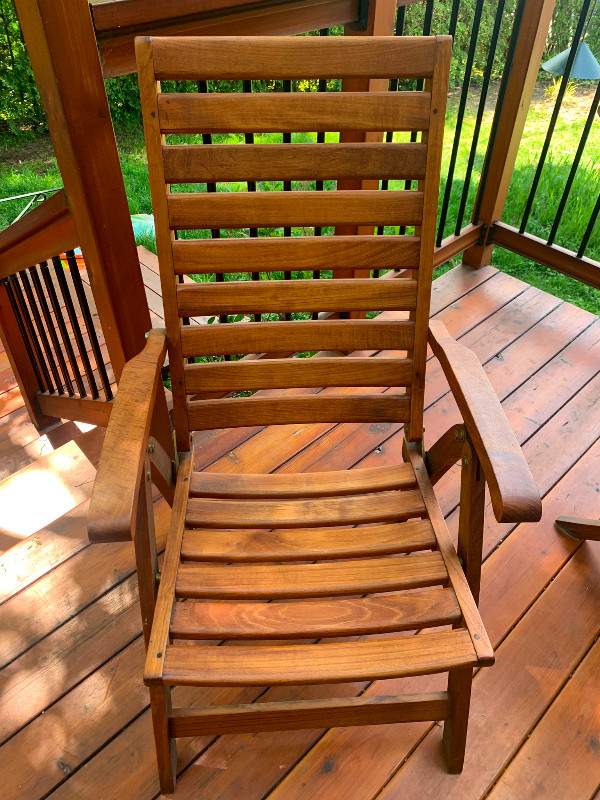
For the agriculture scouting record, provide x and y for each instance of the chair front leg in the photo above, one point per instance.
(471, 519)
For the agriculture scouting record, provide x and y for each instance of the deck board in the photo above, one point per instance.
(79, 659)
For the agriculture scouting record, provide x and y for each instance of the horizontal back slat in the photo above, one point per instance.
(308, 484)
(293, 162)
(182, 58)
(246, 411)
(294, 209)
(293, 337)
(293, 112)
(352, 294)
(267, 254)
(296, 372)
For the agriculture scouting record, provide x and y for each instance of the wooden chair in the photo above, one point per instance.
(270, 563)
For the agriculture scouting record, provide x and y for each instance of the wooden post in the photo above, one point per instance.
(471, 519)
(145, 552)
(501, 157)
(380, 22)
(61, 43)
(20, 362)
(62, 48)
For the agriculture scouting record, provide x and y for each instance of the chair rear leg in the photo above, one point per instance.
(166, 750)
(455, 727)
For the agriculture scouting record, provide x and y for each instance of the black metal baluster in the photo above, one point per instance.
(249, 139)
(64, 288)
(589, 229)
(319, 185)
(419, 87)
(479, 117)
(51, 328)
(60, 323)
(10, 291)
(35, 346)
(555, 112)
(89, 323)
(394, 86)
(42, 337)
(574, 167)
(212, 187)
(462, 105)
(287, 187)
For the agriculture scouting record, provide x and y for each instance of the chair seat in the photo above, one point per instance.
(268, 563)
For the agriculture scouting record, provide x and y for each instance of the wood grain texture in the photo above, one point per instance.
(515, 496)
(267, 254)
(323, 663)
(294, 209)
(267, 57)
(312, 619)
(278, 581)
(272, 18)
(45, 231)
(345, 510)
(249, 411)
(115, 15)
(113, 503)
(306, 543)
(301, 111)
(285, 373)
(351, 294)
(299, 714)
(297, 336)
(307, 484)
(295, 162)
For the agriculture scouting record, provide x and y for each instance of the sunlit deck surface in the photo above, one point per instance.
(74, 714)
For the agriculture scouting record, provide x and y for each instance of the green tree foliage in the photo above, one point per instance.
(19, 100)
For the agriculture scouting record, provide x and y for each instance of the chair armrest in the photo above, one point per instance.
(515, 497)
(113, 504)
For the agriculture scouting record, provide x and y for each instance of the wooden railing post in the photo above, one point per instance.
(21, 361)
(510, 120)
(61, 43)
(62, 48)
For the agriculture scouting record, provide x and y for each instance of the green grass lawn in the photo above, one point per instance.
(31, 167)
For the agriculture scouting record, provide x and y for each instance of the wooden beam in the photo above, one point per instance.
(62, 48)
(269, 18)
(510, 118)
(80, 409)
(297, 714)
(44, 232)
(559, 258)
(453, 245)
(21, 364)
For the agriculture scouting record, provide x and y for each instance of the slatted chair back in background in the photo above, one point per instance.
(232, 216)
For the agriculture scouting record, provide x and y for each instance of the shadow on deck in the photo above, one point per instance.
(74, 713)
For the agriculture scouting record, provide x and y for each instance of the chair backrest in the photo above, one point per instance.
(233, 131)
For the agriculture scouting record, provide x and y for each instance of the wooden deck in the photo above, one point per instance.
(74, 717)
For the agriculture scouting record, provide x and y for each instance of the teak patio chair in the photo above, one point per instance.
(270, 563)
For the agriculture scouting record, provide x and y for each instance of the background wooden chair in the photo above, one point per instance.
(271, 563)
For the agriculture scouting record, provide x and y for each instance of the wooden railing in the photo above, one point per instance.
(48, 322)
